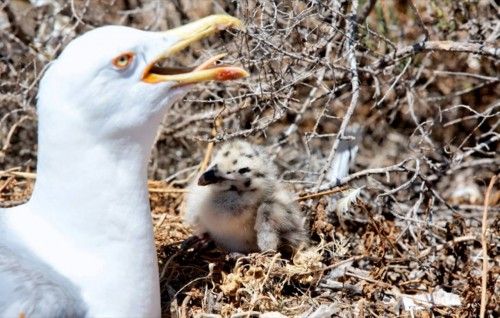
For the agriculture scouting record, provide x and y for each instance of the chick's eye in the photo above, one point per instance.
(122, 61)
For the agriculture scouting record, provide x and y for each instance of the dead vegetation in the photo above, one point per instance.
(420, 234)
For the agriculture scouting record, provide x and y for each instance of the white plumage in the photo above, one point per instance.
(83, 245)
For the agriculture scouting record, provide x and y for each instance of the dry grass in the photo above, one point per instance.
(428, 102)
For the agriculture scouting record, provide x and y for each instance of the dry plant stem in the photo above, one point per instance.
(478, 148)
(473, 163)
(160, 222)
(351, 56)
(25, 175)
(167, 264)
(333, 266)
(210, 148)
(75, 15)
(168, 190)
(366, 10)
(322, 193)
(362, 173)
(6, 183)
(394, 83)
(439, 247)
(462, 91)
(484, 243)
(464, 74)
(411, 103)
(374, 281)
(419, 20)
(185, 301)
(18, 31)
(486, 114)
(13, 130)
(335, 285)
(407, 183)
(446, 46)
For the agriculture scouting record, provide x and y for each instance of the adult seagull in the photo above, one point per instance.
(83, 245)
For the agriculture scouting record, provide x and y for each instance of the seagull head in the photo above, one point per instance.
(110, 81)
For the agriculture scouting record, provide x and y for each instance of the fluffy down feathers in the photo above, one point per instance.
(241, 205)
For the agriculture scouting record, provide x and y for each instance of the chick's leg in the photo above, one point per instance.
(267, 233)
(197, 242)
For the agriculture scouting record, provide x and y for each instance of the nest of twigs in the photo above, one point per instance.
(417, 232)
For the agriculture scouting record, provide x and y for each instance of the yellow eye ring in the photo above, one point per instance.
(122, 61)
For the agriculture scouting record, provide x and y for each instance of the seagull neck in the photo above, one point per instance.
(84, 180)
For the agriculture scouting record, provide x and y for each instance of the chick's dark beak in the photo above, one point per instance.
(210, 176)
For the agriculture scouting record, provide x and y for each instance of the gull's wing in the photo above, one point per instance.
(30, 288)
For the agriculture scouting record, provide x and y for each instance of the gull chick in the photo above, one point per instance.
(239, 203)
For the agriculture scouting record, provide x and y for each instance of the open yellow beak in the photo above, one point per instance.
(208, 70)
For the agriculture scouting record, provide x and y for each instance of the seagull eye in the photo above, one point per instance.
(122, 61)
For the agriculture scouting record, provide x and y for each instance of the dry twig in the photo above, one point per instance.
(484, 243)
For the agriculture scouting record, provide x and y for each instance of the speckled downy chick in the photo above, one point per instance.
(241, 205)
